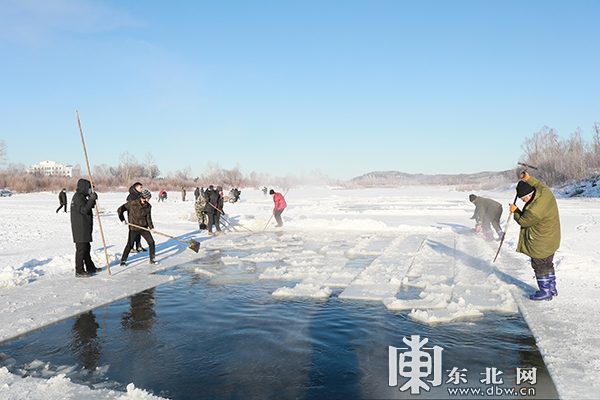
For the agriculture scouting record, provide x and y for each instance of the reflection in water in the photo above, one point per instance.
(141, 315)
(84, 341)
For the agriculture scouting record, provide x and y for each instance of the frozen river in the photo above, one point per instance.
(318, 308)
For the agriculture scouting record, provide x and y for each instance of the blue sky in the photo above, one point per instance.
(288, 87)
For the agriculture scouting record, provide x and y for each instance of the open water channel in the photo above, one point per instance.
(198, 338)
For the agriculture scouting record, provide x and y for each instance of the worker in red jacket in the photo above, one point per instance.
(280, 205)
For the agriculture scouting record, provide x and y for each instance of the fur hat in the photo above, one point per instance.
(472, 198)
(219, 188)
(146, 194)
(524, 189)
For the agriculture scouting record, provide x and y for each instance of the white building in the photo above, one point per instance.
(51, 168)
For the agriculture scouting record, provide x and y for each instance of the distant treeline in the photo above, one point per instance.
(129, 171)
(559, 161)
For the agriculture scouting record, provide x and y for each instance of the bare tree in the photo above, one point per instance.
(76, 170)
(184, 174)
(576, 158)
(151, 166)
(2, 152)
(545, 150)
(101, 170)
(213, 173)
(560, 161)
(17, 169)
(128, 166)
(596, 146)
(233, 177)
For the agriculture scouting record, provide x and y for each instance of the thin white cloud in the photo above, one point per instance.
(35, 21)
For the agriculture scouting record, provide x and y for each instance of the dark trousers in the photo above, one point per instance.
(203, 221)
(138, 242)
(213, 219)
(278, 216)
(494, 219)
(543, 266)
(82, 256)
(61, 206)
(135, 235)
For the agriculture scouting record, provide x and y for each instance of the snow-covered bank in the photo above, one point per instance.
(411, 237)
(14, 387)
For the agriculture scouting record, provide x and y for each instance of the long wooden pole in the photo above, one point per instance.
(522, 175)
(505, 229)
(225, 215)
(93, 191)
(194, 245)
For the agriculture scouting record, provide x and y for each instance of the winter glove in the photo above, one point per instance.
(525, 175)
(513, 208)
(94, 196)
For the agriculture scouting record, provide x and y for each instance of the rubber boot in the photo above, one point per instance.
(544, 283)
(489, 235)
(552, 277)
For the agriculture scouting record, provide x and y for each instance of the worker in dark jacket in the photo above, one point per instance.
(82, 224)
(62, 200)
(214, 208)
(135, 193)
(539, 237)
(487, 211)
(139, 213)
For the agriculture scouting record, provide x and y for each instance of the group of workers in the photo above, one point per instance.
(539, 237)
(139, 212)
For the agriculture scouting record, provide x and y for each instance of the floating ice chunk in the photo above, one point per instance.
(434, 297)
(430, 302)
(508, 306)
(423, 281)
(303, 290)
(273, 273)
(370, 291)
(263, 257)
(138, 394)
(204, 272)
(228, 260)
(452, 312)
(35, 364)
(303, 262)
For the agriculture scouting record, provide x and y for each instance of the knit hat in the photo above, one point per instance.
(271, 191)
(146, 194)
(219, 188)
(524, 189)
(472, 198)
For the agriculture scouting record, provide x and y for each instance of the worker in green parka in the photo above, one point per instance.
(540, 232)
